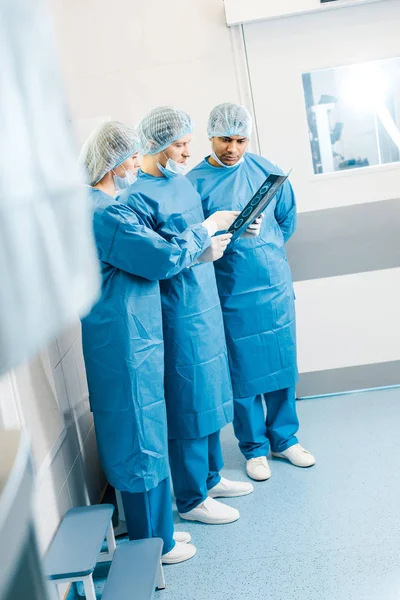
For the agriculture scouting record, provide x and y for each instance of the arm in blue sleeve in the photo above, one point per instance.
(285, 210)
(125, 243)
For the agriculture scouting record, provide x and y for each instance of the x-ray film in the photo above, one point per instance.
(257, 204)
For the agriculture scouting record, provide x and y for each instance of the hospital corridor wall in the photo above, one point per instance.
(345, 255)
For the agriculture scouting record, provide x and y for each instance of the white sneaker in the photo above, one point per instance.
(179, 553)
(182, 536)
(258, 468)
(230, 489)
(212, 512)
(297, 455)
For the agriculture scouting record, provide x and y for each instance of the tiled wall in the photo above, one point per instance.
(68, 470)
(75, 476)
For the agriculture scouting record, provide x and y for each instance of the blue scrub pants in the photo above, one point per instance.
(257, 434)
(195, 466)
(149, 514)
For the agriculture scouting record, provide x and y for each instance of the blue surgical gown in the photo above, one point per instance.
(123, 342)
(198, 390)
(254, 280)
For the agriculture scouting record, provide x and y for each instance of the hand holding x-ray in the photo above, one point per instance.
(220, 220)
(254, 228)
(216, 249)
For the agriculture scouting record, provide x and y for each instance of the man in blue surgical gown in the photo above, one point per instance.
(198, 391)
(256, 292)
(123, 341)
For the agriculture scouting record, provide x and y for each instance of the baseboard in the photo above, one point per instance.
(349, 379)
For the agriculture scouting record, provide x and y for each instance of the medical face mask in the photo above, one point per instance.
(215, 157)
(130, 178)
(172, 168)
(121, 183)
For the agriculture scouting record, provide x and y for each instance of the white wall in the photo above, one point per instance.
(348, 320)
(49, 397)
(122, 59)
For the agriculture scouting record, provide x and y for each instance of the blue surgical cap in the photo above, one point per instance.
(162, 127)
(229, 119)
(107, 147)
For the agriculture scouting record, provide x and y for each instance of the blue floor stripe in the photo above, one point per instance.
(362, 391)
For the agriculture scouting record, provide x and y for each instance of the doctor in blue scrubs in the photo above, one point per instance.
(123, 338)
(256, 292)
(198, 389)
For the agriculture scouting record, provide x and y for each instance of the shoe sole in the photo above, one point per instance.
(259, 478)
(231, 495)
(220, 522)
(280, 457)
(175, 561)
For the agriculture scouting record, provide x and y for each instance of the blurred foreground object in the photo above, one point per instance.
(48, 266)
(21, 574)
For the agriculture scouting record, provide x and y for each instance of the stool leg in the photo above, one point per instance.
(111, 540)
(89, 588)
(111, 546)
(121, 529)
(161, 585)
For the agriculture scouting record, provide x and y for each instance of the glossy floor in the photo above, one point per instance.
(331, 532)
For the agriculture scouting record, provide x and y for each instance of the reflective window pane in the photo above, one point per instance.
(353, 115)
